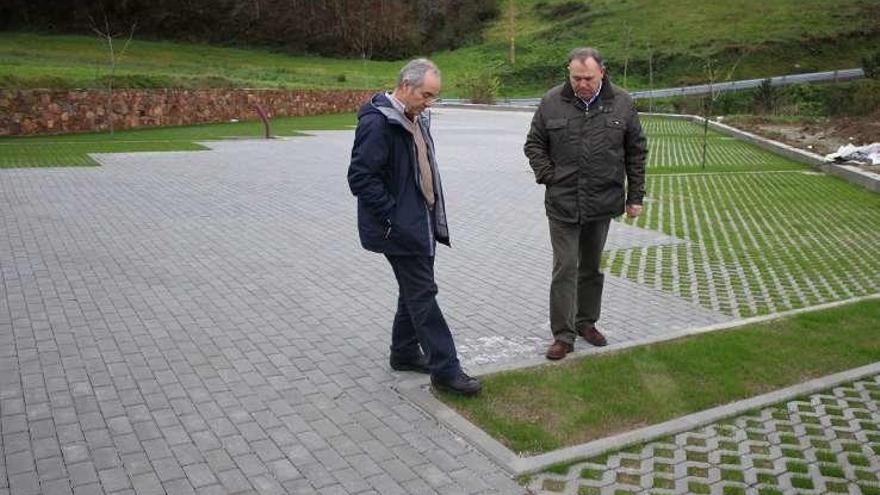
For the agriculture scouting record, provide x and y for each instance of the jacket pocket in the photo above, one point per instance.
(556, 131)
(615, 128)
(555, 124)
(560, 144)
(560, 201)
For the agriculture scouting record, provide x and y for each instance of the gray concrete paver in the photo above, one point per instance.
(168, 314)
(92, 489)
(298, 486)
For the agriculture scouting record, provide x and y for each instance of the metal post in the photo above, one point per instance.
(265, 119)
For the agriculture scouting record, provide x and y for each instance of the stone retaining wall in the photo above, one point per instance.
(46, 111)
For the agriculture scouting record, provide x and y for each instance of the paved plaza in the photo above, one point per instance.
(206, 322)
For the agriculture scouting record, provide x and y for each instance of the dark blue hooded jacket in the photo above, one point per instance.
(393, 216)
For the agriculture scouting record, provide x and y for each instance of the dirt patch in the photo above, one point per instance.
(818, 135)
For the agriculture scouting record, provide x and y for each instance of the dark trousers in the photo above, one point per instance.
(419, 319)
(576, 288)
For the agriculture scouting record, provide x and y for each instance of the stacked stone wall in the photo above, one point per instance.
(46, 111)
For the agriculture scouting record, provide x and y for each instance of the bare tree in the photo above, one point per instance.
(107, 36)
(511, 29)
(708, 106)
(627, 38)
(651, 77)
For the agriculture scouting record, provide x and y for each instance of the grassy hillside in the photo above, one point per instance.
(31, 60)
(757, 37)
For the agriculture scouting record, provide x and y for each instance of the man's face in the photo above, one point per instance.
(417, 99)
(585, 76)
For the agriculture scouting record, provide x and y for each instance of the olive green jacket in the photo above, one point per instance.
(592, 162)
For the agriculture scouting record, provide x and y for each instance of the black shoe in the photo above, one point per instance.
(419, 364)
(461, 384)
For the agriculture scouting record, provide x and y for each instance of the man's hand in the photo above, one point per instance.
(633, 211)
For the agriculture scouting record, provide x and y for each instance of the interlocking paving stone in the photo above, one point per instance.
(812, 445)
(167, 315)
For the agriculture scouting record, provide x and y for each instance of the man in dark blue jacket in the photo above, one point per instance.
(401, 214)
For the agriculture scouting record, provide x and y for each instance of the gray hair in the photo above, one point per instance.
(584, 52)
(414, 72)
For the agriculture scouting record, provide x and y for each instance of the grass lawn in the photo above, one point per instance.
(32, 60)
(757, 37)
(73, 149)
(549, 407)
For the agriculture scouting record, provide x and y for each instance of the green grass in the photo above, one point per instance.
(74, 149)
(772, 237)
(31, 60)
(778, 37)
(676, 147)
(546, 408)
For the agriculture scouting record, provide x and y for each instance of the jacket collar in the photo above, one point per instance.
(384, 105)
(606, 94)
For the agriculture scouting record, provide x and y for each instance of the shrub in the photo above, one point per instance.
(871, 65)
(481, 87)
(865, 96)
(859, 97)
(766, 97)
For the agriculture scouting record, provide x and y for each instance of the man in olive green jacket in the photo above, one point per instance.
(587, 147)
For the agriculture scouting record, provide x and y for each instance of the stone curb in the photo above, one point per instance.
(418, 392)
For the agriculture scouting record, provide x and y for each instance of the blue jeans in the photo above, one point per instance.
(419, 319)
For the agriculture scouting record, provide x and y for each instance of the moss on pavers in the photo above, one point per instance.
(554, 485)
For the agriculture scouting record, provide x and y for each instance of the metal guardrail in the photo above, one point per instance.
(702, 89)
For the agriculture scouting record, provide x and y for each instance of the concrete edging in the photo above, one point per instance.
(417, 391)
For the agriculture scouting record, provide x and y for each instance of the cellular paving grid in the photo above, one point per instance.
(825, 443)
(206, 321)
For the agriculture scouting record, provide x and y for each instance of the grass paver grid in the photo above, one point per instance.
(772, 237)
(676, 146)
(746, 452)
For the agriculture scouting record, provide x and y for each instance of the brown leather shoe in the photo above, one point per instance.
(558, 350)
(592, 335)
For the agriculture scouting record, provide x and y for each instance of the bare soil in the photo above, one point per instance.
(818, 135)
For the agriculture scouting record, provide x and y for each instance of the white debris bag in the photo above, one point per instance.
(869, 153)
